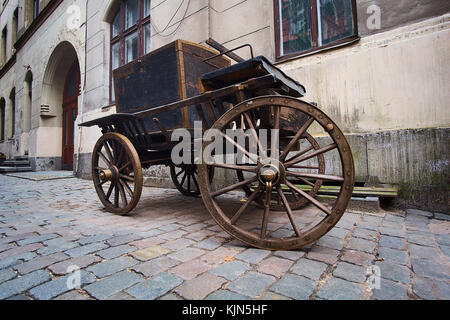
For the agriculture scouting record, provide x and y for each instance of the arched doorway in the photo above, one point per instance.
(70, 112)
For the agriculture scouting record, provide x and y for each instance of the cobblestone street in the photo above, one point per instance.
(172, 249)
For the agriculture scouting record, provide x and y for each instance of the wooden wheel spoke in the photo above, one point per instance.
(127, 188)
(234, 186)
(234, 167)
(122, 194)
(194, 179)
(296, 138)
(312, 154)
(179, 173)
(184, 178)
(100, 168)
(300, 153)
(289, 211)
(120, 157)
(116, 196)
(106, 161)
(306, 167)
(127, 178)
(255, 135)
(241, 210)
(125, 166)
(265, 221)
(277, 112)
(315, 176)
(108, 152)
(189, 182)
(309, 198)
(248, 154)
(110, 190)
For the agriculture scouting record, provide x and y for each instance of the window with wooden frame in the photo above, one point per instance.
(305, 26)
(130, 34)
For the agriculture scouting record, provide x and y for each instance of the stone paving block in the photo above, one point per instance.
(422, 252)
(155, 266)
(37, 239)
(426, 288)
(252, 284)
(119, 240)
(60, 247)
(295, 287)
(150, 233)
(109, 267)
(61, 268)
(114, 252)
(106, 287)
(200, 287)
(157, 286)
(40, 263)
(252, 255)
(20, 250)
(323, 254)
(145, 243)
(94, 238)
(16, 259)
(178, 244)
(7, 246)
(18, 285)
(393, 255)
(392, 232)
(331, 242)
(269, 295)
(291, 255)
(338, 289)
(195, 227)
(390, 290)
(20, 297)
(443, 239)
(350, 272)
(365, 234)
(170, 297)
(445, 250)
(275, 266)
(309, 268)
(170, 227)
(190, 269)
(394, 272)
(59, 286)
(420, 240)
(231, 270)
(442, 216)
(430, 269)
(200, 235)
(121, 296)
(208, 244)
(358, 257)
(173, 235)
(393, 217)
(16, 237)
(150, 253)
(71, 296)
(186, 254)
(7, 274)
(226, 295)
(361, 245)
(419, 213)
(86, 249)
(392, 242)
(338, 232)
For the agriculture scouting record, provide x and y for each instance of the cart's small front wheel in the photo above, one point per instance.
(117, 173)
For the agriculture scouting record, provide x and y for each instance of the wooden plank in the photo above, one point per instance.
(357, 191)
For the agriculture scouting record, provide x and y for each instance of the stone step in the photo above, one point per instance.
(21, 158)
(15, 169)
(16, 163)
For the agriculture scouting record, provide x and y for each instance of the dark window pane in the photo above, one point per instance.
(116, 25)
(72, 84)
(115, 55)
(336, 20)
(295, 26)
(131, 13)
(131, 47)
(146, 8)
(74, 116)
(147, 36)
(66, 128)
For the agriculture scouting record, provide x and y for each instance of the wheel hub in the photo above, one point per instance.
(110, 174)
(272, 172)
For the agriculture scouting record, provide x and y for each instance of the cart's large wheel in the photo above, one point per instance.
(185, 178)
(291, 174)
(117, 173)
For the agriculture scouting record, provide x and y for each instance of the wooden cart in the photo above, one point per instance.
(271, 199)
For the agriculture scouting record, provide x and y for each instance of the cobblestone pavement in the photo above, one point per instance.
(171, 249)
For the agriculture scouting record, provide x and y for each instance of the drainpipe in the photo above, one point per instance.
(82, 91)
